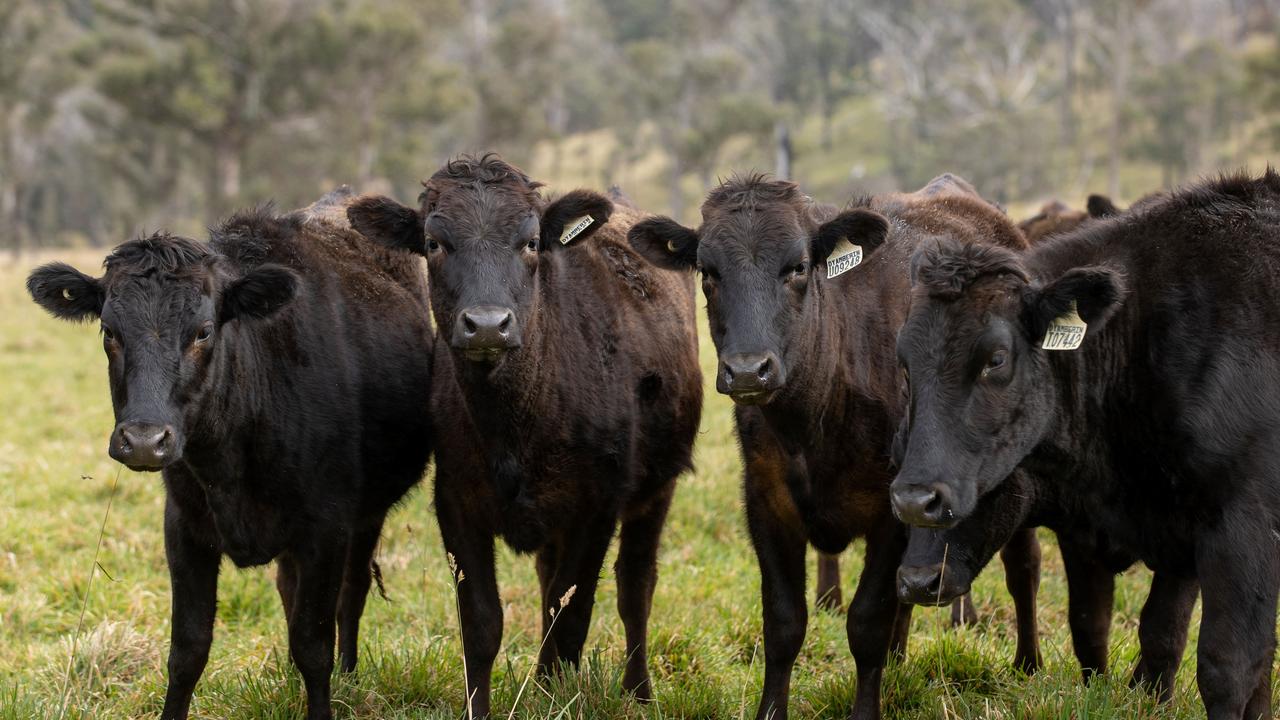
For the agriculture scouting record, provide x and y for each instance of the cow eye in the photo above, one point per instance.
(797, 271)
(432, 244)
(708, 273)
(206, 332)
(997, 361)
(532, 245)
(107, 334)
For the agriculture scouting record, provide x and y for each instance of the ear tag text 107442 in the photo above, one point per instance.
(1066, 332)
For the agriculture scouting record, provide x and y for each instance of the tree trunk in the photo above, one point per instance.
(1066, 22)
(1119, 93)
(223, 183)
(784, 154)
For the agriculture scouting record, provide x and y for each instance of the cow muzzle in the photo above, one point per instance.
(484, 333)
(750, 378)
(929, 584)
(930, 505)
(144, 446)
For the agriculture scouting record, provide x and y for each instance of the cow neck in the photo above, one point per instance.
(809, 401)
(1092, 378)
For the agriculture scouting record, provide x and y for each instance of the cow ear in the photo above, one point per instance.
(865, 228)
(574, 217)
(665, 243)
(66, 292)
(1100, 206)
(258, 294)
(1095, 292)
(387, 222)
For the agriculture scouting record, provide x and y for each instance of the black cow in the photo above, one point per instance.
(566, 398)
(809, 362)
(275, 378)
(1162, 429)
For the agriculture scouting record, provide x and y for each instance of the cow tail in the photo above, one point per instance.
(377, 578)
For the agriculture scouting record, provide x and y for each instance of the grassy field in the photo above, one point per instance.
(80, 643)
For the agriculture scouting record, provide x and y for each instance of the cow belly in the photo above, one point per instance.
(835, 521)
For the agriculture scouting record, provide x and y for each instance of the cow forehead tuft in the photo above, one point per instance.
(946, 268)
(158, 252)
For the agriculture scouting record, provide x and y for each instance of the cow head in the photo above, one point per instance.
(939, 565)
(981, 395)
(484, 229)
(758, 249)
(164, 304)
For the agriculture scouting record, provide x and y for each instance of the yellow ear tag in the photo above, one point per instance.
(1066, 332)
(575, 228)
(844, 257)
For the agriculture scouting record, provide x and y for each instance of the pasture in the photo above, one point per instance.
(78, 641)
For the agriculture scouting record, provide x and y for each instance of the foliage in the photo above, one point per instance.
(118, 116)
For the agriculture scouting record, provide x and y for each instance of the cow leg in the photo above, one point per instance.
(828, 588)
(286, 583)
(637, 572)
(356, 581)
(1090, 598)
(1239, 573)
(193, 575)
(546, 564)
(480, 608)
(1021, 558)
(874, 614)
(963, 612)
(1162, 633)
(579, 568)
(311, 624)
(780, 542)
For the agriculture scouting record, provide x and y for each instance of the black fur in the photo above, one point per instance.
(572, 415)
(820, 397)
(1161, 432)
(283, 367)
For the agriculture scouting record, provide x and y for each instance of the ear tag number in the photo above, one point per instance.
(844, 257)
(1066, 332)
(575, 228)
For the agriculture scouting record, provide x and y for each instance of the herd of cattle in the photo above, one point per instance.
(914, 370)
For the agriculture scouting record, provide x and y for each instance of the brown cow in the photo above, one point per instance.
(807, 353)
(566, 396)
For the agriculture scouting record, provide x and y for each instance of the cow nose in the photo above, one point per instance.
(486, 330)
(143, 446)
(920, 586)
(750, 377)
(924, 505)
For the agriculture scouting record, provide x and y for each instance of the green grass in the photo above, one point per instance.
(55, 483)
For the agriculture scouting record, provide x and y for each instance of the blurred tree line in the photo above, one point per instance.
(123, 115)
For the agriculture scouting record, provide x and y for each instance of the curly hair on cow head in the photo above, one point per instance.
(159, 252)
(750, 191)
(487, 169)
(946, 268)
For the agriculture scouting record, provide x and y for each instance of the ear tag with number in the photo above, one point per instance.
(575, 228)
(1066, 332)
(844, 257)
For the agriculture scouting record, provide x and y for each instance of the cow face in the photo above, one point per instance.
(981, 395)
(484, 230)
(758, 250)
(163, 304)
(939, 565)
